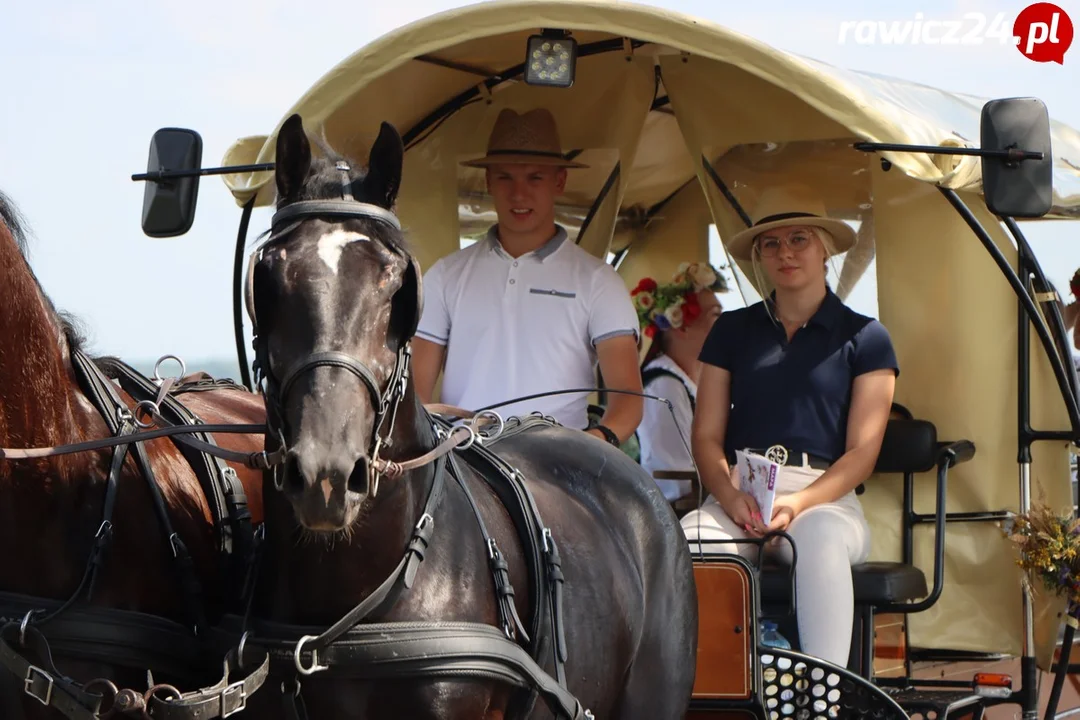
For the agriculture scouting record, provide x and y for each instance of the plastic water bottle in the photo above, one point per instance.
(771, 637)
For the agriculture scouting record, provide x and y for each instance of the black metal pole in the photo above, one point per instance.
(169, 174)
(1009, 154)
(1027, 303)
(1030, 263)
(238, 294)
(1060, 672)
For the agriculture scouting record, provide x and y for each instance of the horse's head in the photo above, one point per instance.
(335, 299)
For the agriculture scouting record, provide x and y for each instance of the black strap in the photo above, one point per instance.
(652, 373)
(217, 701)
(537, 540)
(393, 651)
(220, 483)
(500, 570)
(384, 596)
(41, 680)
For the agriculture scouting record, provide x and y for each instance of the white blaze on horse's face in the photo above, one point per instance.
(332, 244)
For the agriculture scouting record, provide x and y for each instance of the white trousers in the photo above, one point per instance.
(829, 539)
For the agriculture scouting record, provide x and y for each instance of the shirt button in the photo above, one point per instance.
(515, 263)
(512, 281)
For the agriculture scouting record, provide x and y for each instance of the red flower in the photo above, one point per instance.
(691, 308)
(650, 330)
(1074, 284)
(646, 285)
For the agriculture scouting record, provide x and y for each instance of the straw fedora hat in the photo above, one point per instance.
(531, 138)
(790, 205)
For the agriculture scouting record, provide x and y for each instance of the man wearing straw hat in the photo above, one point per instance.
(525, 310)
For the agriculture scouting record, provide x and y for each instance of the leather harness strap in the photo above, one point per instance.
(43, 681)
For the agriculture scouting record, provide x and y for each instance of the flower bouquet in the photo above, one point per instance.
(1049, 547)
(666, 307)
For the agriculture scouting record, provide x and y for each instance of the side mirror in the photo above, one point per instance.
(1015, 187)
(172, 182)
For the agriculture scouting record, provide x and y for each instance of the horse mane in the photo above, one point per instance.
(324, 183)
(70, 325)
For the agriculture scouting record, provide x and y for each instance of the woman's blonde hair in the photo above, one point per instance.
(828, 242)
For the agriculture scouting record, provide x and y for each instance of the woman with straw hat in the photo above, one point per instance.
(799, 375)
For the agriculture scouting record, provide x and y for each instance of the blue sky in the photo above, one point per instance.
(86, 85)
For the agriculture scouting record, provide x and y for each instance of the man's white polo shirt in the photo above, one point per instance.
(517, 327)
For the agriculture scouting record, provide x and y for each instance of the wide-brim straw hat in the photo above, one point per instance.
(790, 205)
(526, 139)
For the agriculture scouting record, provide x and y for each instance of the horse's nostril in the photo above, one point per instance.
(358, 478)
(293, 482)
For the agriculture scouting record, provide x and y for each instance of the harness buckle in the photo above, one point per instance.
(424, 520)
(315, 666)
(23, 625)
(157, 368)
(549, 541)
(175, 543)
(150, 408)
(238, 692)
(33, 673)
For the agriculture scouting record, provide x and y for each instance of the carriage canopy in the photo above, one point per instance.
(682, 124)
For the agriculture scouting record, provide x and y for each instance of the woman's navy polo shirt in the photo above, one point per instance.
(795, 394)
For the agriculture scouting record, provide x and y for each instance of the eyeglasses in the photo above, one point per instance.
(796, 242)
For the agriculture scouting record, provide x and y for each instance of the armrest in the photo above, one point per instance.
(949, 454)
(954, 453)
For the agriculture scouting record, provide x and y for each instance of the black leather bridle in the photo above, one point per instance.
(275, 391)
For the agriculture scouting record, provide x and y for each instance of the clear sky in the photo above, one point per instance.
(87, 84)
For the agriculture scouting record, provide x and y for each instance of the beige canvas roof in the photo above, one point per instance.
(408, 74)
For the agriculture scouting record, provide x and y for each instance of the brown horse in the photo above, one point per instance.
(52, 509)
(556, 544)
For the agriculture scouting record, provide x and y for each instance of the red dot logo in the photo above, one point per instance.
(1043, 32)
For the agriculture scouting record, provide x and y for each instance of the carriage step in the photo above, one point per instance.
(919, 703)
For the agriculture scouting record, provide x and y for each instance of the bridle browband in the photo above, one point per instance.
(385, 400)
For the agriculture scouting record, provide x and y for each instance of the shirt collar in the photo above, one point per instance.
(827, 315)
(541, 253)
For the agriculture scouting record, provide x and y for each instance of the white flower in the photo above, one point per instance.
(674, 315)
(701, 275)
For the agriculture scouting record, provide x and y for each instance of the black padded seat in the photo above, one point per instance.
(875, 583)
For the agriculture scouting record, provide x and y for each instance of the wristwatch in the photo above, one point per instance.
(608, 434)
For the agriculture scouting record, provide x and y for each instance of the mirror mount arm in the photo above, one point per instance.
(169, 174)
(1011, 154)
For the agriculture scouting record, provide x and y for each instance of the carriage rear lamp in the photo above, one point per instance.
(550, 59)
(993, 685)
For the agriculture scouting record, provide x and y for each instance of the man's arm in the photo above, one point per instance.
(618, 357)
(427, 363)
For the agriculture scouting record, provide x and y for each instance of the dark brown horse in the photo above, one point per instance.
(336, 298)
(51, 509)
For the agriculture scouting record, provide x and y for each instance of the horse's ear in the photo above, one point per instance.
(293, 157)
(384, 167)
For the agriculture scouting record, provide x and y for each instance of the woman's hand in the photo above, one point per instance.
(743, 509)
(785, 509)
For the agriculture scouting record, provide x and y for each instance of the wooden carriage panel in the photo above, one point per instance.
(725, 625)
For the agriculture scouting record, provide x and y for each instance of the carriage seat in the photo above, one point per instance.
(910, 446)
